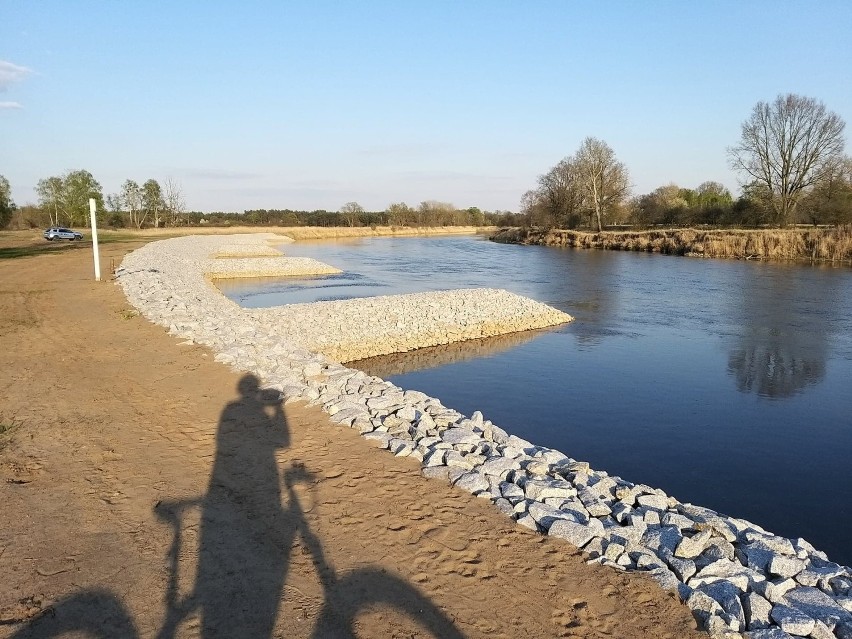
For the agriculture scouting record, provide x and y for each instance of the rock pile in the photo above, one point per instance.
(735, 576)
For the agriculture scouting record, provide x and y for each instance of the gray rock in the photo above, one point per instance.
(528, 522)
(457, 460)
(679, 521)
(728, 596)
(666, 537)
(821, 631)
(541, 489)
(435, 458)
(785, 566)
(499, 466)
(768, 633)
(571, 531)
(472, 483)
(691, 547)
(621, 512)
(512, 492)
(658, 502)
(665, 577)
(816, 604)
(754, 556)
(683, 568)
(545, 515)
(775, 590)
(756, 610)
(791, 620)
(843, 630)
(703, 606)
(460, 435)
(401, 447)
(504, 506)
(730, 571)
(436, 472)
(774, 543)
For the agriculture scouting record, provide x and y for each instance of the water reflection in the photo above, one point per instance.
(425, 358)
(783, 347)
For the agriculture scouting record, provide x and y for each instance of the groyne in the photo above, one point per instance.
(832, 245)
(737, 578)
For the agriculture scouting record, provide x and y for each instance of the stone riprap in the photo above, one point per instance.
(279, 266)
(246, 250)
(353, 329)
(738, 579)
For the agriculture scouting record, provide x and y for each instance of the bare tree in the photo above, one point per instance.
(788, 146)
(559, 195)
(603, 178)
(399, 213)
(173, 201)
(351, 212)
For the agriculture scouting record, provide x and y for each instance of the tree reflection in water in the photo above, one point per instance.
(783, 349)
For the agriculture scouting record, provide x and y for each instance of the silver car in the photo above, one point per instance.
(61, 233)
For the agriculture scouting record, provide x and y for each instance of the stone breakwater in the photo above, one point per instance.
(738, 579)
(359, 328)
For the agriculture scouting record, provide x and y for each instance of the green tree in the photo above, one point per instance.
(68, 196)
(131, 199)
(7, 206)
(788, 146)
(50, 198)
(152, 201)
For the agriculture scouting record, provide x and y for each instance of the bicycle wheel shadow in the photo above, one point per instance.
(250, 519)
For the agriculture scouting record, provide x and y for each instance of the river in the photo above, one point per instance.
(726, 383)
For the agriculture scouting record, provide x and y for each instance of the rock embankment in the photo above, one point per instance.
(359, 328)
(280, 266)
(735, 576)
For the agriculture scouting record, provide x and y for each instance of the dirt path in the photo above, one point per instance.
(290, 526)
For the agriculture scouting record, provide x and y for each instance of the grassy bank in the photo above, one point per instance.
(814, 245)
(30, 242)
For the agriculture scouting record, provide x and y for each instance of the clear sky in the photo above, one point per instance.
(313, 104)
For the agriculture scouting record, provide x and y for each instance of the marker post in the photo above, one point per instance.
(92, 210)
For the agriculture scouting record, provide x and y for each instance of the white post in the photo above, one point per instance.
(92, 208)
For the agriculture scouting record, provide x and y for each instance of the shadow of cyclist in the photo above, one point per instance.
(251, 516)
(245, 535)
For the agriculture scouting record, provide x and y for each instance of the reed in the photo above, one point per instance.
(831, 245)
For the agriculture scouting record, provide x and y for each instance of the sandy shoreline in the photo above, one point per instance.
(107, 430)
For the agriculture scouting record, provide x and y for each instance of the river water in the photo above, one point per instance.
(726, 383)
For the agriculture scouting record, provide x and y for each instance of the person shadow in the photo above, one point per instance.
(250, 518)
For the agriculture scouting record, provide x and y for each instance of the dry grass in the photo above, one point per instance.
(815, 245)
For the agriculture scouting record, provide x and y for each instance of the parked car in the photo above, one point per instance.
(61, 233)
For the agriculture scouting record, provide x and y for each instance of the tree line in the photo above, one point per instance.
(790, 153)
(64, 201)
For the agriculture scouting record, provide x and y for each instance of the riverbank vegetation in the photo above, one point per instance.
(832, 245)
(790, 154)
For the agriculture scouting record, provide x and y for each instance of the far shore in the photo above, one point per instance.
(815, 245)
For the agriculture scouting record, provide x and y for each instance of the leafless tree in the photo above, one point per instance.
(788, 146)
(603, 178)
(351, 212)
(173, 201)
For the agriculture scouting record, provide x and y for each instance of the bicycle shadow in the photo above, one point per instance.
(251, 517)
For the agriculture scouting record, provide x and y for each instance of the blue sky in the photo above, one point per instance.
(310, 105)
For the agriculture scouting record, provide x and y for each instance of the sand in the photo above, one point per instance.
(118, 430)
